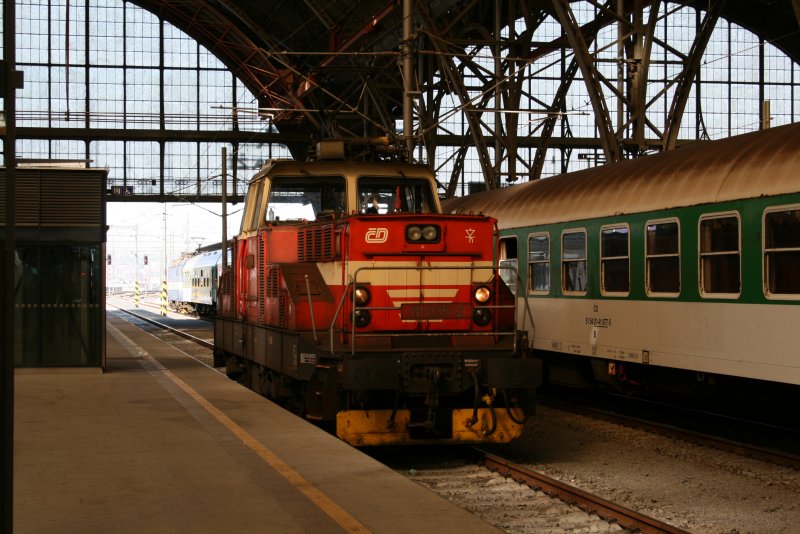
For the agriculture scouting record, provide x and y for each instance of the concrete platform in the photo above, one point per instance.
(161, 443)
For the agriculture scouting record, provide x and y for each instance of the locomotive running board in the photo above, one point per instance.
(363, 428)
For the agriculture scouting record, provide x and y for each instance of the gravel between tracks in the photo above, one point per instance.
(690, 486)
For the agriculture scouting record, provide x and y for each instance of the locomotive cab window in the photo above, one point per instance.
(662, 250)
(782, 252)
(252, 203)
(305, 197)
(509, 263)
(719, 255)
(573, 262)
(539, 264)
(380, 195)
(615, 260)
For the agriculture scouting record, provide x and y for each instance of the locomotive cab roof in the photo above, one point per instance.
(287, 191)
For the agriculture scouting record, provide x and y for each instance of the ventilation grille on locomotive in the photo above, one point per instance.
(261, 280)
(315, 243)
(226, 288)
(282, 310)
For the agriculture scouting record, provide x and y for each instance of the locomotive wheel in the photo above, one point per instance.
(295, 404)
(234, 369)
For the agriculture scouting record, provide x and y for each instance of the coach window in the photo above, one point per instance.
(573, 262)
(539, 263)
(782, 251)
(509, 263)
(719, 255)
(615, 260)
(663, 258)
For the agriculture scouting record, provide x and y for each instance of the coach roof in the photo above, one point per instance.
(757, 164)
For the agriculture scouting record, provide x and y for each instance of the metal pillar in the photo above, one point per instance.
(408, 81)
(224, 209)
(164, 269)
(8, 337)
(497, 50)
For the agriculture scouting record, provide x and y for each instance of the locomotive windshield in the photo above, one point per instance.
(394, 195)
(305, 197)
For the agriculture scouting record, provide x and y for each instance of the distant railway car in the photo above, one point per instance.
(192, 283)
(354, 301)
(676, 271)
(177, 291)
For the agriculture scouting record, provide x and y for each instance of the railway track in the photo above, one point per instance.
(181, 333)
(513, 497)
(196, 347)
(591, 504)
(524, 498)
(144, 301)
(739, 444)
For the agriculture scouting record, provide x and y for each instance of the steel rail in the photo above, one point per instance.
(626, 518)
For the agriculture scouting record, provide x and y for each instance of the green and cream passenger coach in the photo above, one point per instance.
(640, 271)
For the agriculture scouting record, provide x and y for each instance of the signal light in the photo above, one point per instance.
(108, 259)
(145, 260)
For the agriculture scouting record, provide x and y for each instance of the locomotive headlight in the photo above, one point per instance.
(414, 233)
(482, 294)
(361, 318)
(481, 316)
(430, 233)
(362, 296)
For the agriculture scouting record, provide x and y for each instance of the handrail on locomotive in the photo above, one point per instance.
(526, 312)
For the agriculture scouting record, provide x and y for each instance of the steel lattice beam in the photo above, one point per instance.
(602, 115)
(330, 69)
(689, 73)
(448, 68)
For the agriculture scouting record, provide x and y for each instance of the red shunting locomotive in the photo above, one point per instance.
(353, 301)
